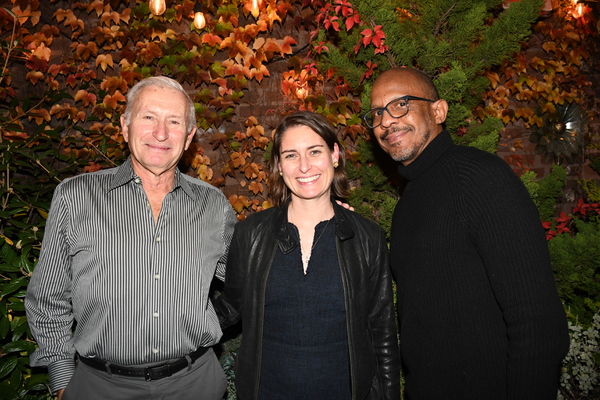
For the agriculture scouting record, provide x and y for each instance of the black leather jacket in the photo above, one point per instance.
(363, 259)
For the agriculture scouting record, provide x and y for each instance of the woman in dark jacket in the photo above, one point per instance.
(310, 281)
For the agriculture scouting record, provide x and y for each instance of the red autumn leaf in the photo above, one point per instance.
(350, 22)
(71, 81)
(212, 40)
(286, 45)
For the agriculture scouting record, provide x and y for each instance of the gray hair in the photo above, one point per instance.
(164, 82)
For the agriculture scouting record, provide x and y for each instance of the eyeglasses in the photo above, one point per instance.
(396, 108)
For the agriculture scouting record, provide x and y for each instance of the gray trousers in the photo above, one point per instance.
(204, 381)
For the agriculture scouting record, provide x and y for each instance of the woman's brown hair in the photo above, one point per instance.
(278, 191)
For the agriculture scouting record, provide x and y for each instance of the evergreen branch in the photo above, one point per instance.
(438, 28)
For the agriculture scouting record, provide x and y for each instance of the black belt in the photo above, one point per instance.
(148, 373)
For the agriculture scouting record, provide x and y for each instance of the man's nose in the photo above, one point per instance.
(387, 119)
(161, 132)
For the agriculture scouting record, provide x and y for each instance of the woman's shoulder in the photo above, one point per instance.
(263, 217)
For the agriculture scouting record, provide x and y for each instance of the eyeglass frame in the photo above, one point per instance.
(385, 108)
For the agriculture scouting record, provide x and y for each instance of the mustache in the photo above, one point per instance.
(394, 129)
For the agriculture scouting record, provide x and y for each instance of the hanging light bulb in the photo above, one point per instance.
(254, 10)
(157, 7)
(199, 19)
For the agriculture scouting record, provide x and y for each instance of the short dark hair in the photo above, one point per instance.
(429, 89)
(278, 191)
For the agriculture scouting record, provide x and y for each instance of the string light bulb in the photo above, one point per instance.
(199, 18)
(157, 7)
(254, 10)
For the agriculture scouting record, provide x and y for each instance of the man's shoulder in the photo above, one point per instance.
(476, 160)
(201, 186)
(88, 178)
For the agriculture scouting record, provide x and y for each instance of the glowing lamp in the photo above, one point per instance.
(199, 20)
(157, 7)
(254, 10)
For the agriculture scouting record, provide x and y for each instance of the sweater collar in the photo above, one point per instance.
(428, 157)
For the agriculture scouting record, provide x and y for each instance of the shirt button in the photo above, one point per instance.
(158, 239)
(157, 276)
(137, 180)
(155, 315)
(155, 350)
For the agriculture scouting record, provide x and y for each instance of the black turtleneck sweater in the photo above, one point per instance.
(480, 316)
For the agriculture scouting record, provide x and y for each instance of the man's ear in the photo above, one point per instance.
(124, 129)
(440, 111)
(189, 137)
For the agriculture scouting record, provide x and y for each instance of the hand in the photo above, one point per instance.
(59, 393)
(345, 205)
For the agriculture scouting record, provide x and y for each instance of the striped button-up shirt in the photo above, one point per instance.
(138, 290)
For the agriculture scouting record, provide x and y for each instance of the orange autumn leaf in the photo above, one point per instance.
(286, 45)
(111, 102)
(212, 40)
(85, 51)
(96, 5)
(92, 167)
(24, 15)
(63, 111)
(255, 187)
(40, 115)
(107, 17)
(69, 18)
(238, 202)
(86, 97)
(104, 61)
(238, 158)
(252, 170)
(259, 74)
(151, 52)
(251, 121)
(261, 143)
(256, 132)
(204, 172)
(34, 76)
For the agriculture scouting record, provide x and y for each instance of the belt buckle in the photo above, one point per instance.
(154, 373)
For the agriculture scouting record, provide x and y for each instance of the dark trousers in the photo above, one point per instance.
(204, 381)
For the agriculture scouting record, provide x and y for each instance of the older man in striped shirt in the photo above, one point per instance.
(118, 302)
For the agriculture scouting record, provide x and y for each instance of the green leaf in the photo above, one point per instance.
(19, 345)
(14, 286)
(7, 365)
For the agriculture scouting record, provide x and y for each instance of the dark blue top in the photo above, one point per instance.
(305, 345)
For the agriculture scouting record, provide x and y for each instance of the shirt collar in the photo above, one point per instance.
(125, 174)
(427, 158)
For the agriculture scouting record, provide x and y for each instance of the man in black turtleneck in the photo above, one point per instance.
(480, 316)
